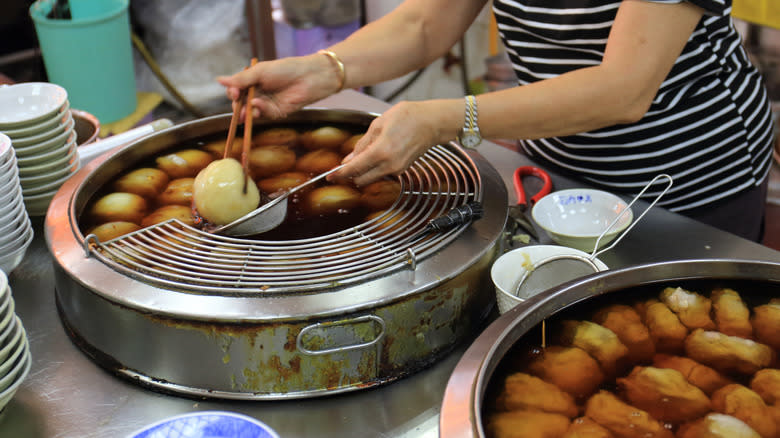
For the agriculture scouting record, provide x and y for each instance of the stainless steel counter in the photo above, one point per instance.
(67, 395)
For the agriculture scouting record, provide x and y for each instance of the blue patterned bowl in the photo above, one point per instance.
(207, 424)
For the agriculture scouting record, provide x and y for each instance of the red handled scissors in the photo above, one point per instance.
(518, 212)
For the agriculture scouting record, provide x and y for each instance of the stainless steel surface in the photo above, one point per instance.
(266, 319)
(67, 395)
(463, 405)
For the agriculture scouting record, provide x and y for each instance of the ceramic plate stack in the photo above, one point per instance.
(15, 357)
(16, 231)
(37, 118)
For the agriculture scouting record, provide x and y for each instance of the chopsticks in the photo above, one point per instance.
(243, 100)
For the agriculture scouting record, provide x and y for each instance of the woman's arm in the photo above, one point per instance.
(410, 37)
(644, 43)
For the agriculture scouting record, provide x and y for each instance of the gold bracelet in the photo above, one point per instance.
(339, 64)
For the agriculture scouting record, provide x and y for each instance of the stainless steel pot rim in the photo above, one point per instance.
(480, 360)
(66, 244)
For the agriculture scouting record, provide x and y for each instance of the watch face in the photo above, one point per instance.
(470, 140)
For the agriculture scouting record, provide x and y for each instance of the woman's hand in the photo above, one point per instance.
(285, 85)
(398, 137)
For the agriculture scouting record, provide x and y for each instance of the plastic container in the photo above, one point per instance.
(91, 57)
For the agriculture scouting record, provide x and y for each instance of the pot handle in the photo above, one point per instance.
(324, 333)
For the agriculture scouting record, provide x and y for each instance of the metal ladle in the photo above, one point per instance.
(558, 269)
(269, 215)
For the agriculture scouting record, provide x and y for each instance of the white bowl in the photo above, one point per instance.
(48, 167)
(9, 174)
(45, 146)
(9, 192)
(9, 261)
(6, 149)
(13, 355)
(4, 290)
(577, 217)
(30, 102)
(12, 222)
(37, 180)
(17, 368)
(18, 241)
(21, 373)
(33, 194)
(24, 142)
(15, 224)
(48, 155)
(12, 340)
(7, 319)
(41, 126)
(508, 269)
(38, 205)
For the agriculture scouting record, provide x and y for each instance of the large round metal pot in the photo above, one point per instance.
(464, 397)
(188, 334)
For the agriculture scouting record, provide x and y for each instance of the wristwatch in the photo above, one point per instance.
(470, 137)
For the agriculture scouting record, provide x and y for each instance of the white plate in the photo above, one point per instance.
(30, 102)
(211, 424)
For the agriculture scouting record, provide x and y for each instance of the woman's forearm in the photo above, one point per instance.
(410, 37)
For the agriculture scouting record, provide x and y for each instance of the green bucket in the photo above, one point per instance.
(91, 57)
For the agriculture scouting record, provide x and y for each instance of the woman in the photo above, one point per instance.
(613, 92)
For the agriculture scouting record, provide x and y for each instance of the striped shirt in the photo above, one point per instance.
(709, 126)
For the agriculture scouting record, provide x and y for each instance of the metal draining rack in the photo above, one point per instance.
(177, 256)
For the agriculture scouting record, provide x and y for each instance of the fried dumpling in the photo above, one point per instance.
(523, 391)
(584, 427)
(701, 376)
(627, 324)
(526, 424)
(622, 419)
(664, 393)
(569, 368)
(743, 403)
(766, 383)
(732, 316)
(598, 341)
(716, 425)
(728, 354)
(665, 328)
(766, 323)
(692, 308)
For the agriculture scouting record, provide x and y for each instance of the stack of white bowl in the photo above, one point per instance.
(15, 359)
(37, 118)
(16, 231)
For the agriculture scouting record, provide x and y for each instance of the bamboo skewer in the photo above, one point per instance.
(237, 104)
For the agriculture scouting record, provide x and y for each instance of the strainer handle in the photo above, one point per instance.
(596, 251)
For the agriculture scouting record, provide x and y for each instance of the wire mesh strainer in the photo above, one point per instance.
(558, 269)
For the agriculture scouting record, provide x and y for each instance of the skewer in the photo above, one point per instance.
(237, 104)
(247, 132)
